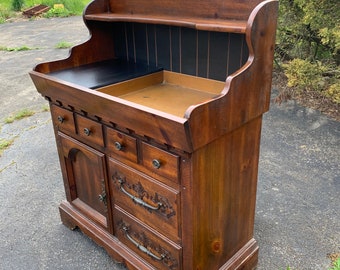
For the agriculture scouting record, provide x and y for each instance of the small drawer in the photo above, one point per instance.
(63, 119)
(90, 130)
(121, 145)
(160, 162)
(147, 199)
(148, 244)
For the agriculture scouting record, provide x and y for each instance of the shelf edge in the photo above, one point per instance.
(217, 25)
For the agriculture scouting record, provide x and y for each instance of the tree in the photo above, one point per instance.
(308, 45)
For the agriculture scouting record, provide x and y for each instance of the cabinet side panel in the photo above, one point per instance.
(224, 186)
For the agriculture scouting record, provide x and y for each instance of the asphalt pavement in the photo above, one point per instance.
(297, 222)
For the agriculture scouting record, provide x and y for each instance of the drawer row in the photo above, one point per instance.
(119, 145)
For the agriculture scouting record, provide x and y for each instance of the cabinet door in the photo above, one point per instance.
(85, 178)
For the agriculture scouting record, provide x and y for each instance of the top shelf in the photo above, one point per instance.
(216, 25)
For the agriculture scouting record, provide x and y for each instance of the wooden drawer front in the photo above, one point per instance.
(121, 145)
(62, 119)
(89, 130)
(150, 201)
(160, 162)
(147, 243)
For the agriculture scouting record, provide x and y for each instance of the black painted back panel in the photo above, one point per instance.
(213, 55)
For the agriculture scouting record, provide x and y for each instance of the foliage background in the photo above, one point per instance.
(308, 46)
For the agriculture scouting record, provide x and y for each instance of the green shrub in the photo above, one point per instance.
(308, 45)
(4, 14)
(71, 7)
(17, 4)
(333, 92)
(58, 12)
(303, 74)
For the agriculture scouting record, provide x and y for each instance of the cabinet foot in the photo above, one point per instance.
(67, 220)
(245, 259)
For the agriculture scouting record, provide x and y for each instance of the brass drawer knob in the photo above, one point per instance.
(61, 119)
(118, 146)
(87, 131)
(156, 163)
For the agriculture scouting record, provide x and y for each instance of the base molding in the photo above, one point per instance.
(72, 218)
(246, 258)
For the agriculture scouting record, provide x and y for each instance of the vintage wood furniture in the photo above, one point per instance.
(157, 120)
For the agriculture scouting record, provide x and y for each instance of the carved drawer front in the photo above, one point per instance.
(90, 130)
(147, 199)
(63, 119)
(160, 162)
(121, 145)
(147, 243)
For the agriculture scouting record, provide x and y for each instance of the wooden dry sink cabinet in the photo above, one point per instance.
(157, 118)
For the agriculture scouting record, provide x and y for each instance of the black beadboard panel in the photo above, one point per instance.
(218, 51)
(141, 42)
(175, 49)
(119, 41)
(163, 46)
(152, 52)
(205, 54)
(188, 51)
(235, 53)
(130, 41)
(202, 54)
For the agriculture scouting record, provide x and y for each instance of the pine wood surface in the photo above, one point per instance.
(219, 25)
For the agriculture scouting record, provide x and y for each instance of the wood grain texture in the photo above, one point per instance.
(86, 174)
(168, 163)
(218, 25)
(166, 128)
(165, 218)
(247, 92)
(215, 9)
(63, 119)
(224, 180)
(89, 130)
(126, 148)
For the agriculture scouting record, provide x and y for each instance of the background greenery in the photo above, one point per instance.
(71, 7)
(308, 46)
(307, 43)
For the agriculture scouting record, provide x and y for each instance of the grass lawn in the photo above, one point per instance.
(72, 7)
